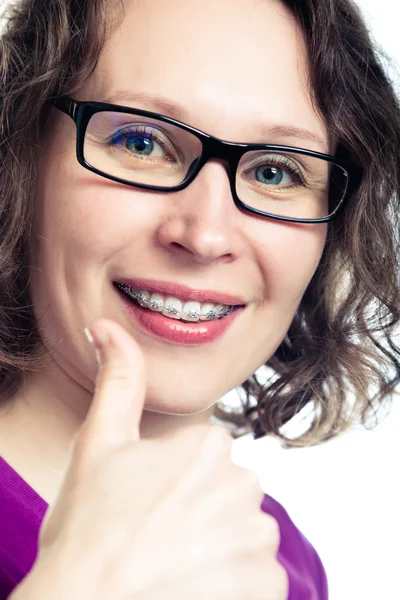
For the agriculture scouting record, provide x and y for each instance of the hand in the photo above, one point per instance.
(168, 519)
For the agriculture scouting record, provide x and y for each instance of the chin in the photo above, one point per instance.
(180, 403)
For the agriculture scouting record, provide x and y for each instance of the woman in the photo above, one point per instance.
(190, 262)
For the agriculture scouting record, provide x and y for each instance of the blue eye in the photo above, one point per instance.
(268, 174)
(273, 175)
(138, 141)
(139, 145)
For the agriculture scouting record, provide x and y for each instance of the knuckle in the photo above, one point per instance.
(265, 532)
(272, 529)
(272, 525)
(118, 372)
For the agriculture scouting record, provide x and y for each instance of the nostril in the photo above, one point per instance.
(178, 246)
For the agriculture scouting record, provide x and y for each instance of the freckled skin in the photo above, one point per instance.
(231, 65)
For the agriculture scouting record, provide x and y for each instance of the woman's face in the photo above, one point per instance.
(235, 69)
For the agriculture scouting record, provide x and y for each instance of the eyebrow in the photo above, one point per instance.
(297, 132)
(170, 109)
(162, 105)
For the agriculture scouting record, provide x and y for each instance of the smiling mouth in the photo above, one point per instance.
(174, 308)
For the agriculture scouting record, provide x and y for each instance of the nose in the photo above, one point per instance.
(200, 223)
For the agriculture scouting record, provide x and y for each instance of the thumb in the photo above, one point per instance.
(116, 410)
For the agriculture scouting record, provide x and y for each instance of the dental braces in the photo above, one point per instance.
(192, 314)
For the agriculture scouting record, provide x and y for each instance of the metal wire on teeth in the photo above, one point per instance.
(192, 314)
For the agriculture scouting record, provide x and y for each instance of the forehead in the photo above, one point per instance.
(235, 68)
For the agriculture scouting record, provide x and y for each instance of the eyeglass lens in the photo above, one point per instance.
(148, 151)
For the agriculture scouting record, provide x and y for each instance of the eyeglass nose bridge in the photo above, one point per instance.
(229, 153)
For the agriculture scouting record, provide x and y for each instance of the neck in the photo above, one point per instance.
(155, 424)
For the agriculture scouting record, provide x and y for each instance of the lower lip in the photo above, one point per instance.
(178, 332)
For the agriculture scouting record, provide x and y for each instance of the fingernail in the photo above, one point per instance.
(89, 335)
(98, 338)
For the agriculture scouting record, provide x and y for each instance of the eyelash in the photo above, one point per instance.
(137, 130)
(147, 132)
(286, 165)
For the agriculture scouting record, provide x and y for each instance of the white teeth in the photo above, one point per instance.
(156, 302)
(191, 311)
(206, 309)
(145, 295)
(173, 308)
(218, 308)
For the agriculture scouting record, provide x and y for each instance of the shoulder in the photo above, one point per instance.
(307, 577)
(21, 514)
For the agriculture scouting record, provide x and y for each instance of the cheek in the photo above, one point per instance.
(83, 217)
(80, 216)
(289, 255)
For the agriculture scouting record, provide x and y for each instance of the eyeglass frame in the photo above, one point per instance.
(212, 148)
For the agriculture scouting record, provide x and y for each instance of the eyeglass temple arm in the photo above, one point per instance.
(66, 105)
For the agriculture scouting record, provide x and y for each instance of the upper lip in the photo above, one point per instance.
(183, 292)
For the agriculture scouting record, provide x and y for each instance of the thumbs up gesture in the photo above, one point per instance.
(153, 519)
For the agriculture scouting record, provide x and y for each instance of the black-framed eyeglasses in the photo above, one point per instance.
(150, 151)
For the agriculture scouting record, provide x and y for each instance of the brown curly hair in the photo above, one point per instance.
(342, 338)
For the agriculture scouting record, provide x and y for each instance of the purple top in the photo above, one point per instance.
(22, 511)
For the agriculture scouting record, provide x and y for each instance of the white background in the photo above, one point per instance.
(344, 495)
